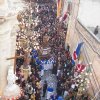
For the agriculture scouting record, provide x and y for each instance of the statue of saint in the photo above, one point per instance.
(11, 77)
(12, 90)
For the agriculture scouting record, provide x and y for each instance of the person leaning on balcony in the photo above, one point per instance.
(96, 31)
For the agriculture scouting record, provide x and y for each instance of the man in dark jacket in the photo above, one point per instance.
(44, 88)
(96, 30)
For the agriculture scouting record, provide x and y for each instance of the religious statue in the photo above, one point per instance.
(11, 78)
(12, 90)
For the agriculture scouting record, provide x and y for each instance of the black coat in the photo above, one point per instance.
(45, 87)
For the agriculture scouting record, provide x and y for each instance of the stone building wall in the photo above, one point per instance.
(91, 49)
(91, 52)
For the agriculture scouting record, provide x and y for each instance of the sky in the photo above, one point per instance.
(89, 12)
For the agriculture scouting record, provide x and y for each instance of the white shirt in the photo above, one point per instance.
(73, 86)
(58, 71)
(66, 94)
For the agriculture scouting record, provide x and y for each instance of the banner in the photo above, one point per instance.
(80, 66)
(76, 53)
(59, 6)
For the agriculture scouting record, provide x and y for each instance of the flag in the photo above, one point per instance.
(73, 62)
(59, 4)
(69, 8)
(64, 17)
(81, 58)
(80, 68)
(76, 53)
(79, 61)
(74, 56)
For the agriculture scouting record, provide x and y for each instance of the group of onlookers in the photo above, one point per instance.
(48, 24)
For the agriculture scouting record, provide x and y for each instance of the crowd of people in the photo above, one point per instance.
(40, 1)
(63, 69)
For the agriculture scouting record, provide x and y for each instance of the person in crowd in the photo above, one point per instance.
(30, 91)
(44, 88)
(60, 98)
(33, 96)
(66, 93)
(48, 24)
(96, 31)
